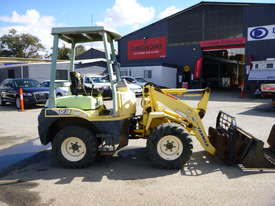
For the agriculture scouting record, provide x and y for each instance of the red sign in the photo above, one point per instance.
(224, 43)
(147, 48)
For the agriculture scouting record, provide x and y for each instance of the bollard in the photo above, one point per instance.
(21, 99)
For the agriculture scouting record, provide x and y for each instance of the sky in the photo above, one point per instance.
(37, 17)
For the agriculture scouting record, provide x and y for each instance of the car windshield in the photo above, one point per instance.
(139, 79)
(97, 80)
(62, 84)
(26, 83)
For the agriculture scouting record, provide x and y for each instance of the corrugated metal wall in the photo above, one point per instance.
(205, 23)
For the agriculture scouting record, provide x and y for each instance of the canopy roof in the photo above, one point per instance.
(83, 34)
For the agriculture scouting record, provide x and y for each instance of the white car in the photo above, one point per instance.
(135, 80)
(62, 87)
(98, 82)
(137, 89)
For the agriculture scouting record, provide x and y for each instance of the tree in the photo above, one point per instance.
(64, 53)
(79, 50)
(20, 45)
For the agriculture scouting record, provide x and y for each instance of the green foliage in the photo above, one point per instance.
(79, 50)
(20, 45)
(64, 52)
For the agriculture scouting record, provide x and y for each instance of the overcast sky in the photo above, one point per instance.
(37, 17)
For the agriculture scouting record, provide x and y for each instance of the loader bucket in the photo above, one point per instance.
(236, 146)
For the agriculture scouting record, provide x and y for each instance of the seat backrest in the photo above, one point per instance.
(76, 83)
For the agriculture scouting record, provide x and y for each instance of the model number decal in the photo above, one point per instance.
(64, 112)
(203, 137)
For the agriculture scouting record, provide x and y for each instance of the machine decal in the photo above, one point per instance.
(203, 137)
(64, 111)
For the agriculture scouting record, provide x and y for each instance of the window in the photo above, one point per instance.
(269, 66)
(11, 74)
(62, 74)
(45, 84)
(148, 74)
(130, 80)
(26, 83)
(3, 83)
(256, 66)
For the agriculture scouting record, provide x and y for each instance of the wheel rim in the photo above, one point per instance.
(169, 147)
(73, 149)
(17, 102)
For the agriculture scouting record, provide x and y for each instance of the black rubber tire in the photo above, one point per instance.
(164, 130)
(86, 136)
(2, 102)
(58, 95)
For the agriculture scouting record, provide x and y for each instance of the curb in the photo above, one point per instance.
(23, 163)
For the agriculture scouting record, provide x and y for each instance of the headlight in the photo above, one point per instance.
(27, 94)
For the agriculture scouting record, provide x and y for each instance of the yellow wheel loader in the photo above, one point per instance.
(81, 126)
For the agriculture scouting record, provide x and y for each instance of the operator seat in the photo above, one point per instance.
(78, 87)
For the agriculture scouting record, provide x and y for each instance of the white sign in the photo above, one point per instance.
(261, 33)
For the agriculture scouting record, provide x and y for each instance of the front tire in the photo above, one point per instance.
(75, 147)
(169, 146)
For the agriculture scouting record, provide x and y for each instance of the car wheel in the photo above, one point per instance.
(2, 102)
(17, 102)
(75, 147)
(58, 95)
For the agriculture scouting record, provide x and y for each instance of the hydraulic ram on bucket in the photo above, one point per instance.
(236, 146)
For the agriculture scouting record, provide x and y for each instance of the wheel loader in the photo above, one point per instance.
(81, 126)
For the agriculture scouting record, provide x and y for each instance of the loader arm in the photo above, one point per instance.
(163, 101)
(204, 93)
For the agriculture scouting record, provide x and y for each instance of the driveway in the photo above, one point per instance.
(129, 178)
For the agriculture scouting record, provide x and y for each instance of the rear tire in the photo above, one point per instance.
(2, 102)
(169, 146)
(75, 147)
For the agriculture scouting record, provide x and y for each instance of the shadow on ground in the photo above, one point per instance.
(130, 164)
(265, 110)
(203, 163)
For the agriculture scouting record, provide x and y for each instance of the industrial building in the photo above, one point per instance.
(90, 62)
(210, 44)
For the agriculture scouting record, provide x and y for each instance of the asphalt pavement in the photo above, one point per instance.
(129, 178)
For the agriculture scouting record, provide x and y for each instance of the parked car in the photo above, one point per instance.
(136, 80)
(134, 87)
(98, 82)
(62, 87)
(32, 92)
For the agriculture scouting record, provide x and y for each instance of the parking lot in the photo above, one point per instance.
(128, 178)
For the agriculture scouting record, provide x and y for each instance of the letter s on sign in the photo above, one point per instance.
(273, 30)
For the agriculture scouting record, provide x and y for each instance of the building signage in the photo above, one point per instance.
(261, 33)
(147, 48)
(223, 43)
